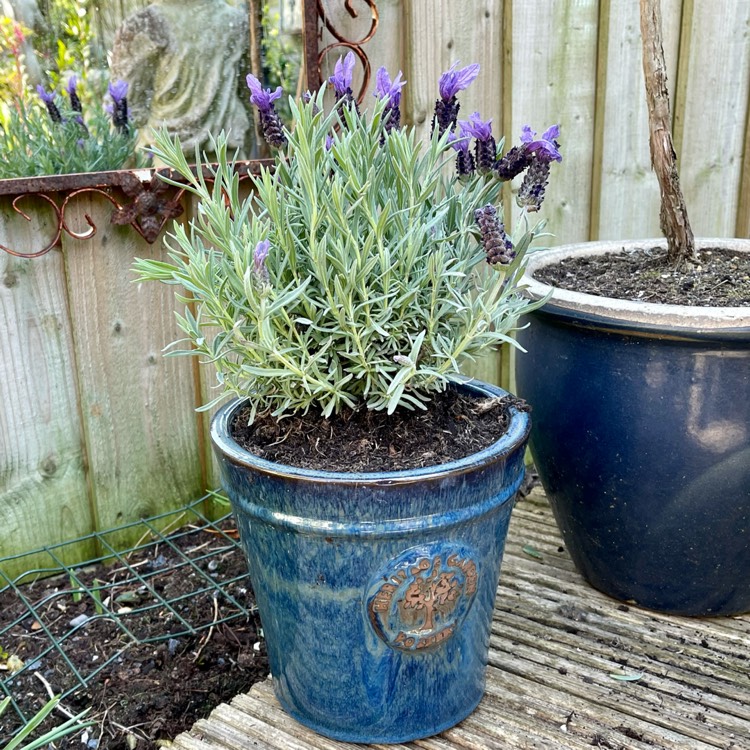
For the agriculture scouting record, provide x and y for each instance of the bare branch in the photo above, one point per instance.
(674, 218)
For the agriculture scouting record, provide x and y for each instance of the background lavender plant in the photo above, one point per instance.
(55, 135)
(356, 275)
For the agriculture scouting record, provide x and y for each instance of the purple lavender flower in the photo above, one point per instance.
(546, 148)
(329, 142)
(450, 83)
(464, 157)
(497, 245)
(390, 90)
(118, 90)
(385, 88)
(48, 98)
(485, 146)
(259, 259)
(341, 80)
(270, 122)
(71, 88)
(262, 98)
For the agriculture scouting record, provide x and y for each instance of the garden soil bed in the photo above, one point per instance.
(150, 691)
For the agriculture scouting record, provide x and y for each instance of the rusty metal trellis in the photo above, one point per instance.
(149, 202)
(315, 15)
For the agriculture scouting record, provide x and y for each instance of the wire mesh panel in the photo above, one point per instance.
(62, 628)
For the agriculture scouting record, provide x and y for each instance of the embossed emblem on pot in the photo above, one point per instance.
(420, 598)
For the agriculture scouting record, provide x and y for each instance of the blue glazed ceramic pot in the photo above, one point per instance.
(376, 590)
(642, 440)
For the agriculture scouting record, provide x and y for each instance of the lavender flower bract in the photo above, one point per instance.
(343, 73)
(341, 80)
(447, 106)
(453, 81)
(485, 146)
(546, 148)
(270, 122)
(390, 90)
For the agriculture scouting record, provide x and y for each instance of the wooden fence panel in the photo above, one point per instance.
(553, 80)
(712, 110)
(43, 490)
(142, 436)
(110, 433)
(625, 191)
(438, 34)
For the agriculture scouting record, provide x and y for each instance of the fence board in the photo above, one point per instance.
(554, 81)
(625, 191)
(743, 204)
(437, 34)
(141, 431)
(711, 113)
(43, 494)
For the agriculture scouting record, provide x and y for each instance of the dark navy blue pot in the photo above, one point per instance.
(376, 590)
(642, 441)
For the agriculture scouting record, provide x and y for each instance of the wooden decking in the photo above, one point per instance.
(569, 668)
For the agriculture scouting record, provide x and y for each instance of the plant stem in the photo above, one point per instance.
(674, 219)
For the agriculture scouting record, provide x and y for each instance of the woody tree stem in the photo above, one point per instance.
(674, 219)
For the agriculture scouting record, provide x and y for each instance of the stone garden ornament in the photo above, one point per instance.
(182, 59)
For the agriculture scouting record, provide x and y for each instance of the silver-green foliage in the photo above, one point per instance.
(375, 288)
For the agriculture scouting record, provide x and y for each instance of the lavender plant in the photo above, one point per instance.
(55, 136)
(364, 270)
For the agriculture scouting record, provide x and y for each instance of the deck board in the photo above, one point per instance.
(555, 644)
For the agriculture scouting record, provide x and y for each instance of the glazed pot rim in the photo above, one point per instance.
(516, 434)
(647, 313)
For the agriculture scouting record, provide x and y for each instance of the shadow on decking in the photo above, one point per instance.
(568, 668)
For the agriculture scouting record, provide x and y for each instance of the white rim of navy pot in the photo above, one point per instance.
(517, 433)
(653, 315)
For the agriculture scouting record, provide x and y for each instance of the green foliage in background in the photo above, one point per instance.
(282, 57)
(12, 78)
(68, 42)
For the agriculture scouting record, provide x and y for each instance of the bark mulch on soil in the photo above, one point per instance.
(721, 280)
(150, 690)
